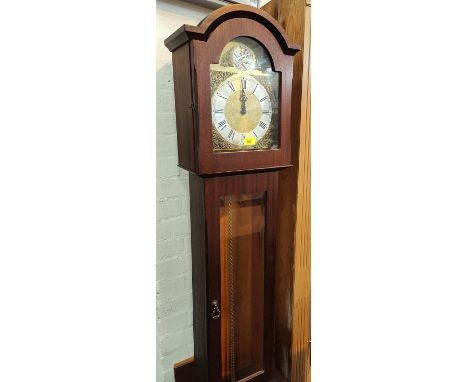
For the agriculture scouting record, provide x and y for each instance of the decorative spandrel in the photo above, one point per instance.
(242, 263)
(244, 98)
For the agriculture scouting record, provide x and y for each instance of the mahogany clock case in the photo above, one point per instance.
(233, 198)
(193, 50)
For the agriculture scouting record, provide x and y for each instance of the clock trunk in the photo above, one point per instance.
(233, 247)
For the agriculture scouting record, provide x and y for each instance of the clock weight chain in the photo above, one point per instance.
(231, 294)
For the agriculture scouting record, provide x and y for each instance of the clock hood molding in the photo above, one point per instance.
(209, 24)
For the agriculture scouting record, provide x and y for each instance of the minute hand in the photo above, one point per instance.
(243, 99)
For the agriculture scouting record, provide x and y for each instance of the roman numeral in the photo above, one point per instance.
(263, 125)
(221, 96)
(230, 84)
(255, 88)
(243, 83)
(231, 135)
(222, 125)
(253, 132)
(263, 99)
(265, 112)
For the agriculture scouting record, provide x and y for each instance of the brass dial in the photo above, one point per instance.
(241, 110)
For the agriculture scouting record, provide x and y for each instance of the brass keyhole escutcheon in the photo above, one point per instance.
(215, 313)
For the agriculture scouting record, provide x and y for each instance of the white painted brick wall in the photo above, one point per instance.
(173, 258)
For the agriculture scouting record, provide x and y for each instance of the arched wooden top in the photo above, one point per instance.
(203, 30)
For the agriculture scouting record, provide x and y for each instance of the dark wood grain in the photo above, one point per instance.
(199, 276)
(182, 68)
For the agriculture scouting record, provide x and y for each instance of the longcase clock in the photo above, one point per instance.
(232, 82)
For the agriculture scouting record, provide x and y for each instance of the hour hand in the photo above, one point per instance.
(243, 99)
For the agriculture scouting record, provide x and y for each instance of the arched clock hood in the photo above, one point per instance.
(211, 22)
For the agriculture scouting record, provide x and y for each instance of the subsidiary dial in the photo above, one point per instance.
(243, 57)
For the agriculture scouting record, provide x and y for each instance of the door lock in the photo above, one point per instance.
(216, 313)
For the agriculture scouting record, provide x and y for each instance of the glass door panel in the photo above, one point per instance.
(242, 259)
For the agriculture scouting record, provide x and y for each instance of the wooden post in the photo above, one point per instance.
(293, 264)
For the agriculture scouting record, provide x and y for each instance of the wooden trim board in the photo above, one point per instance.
(293, 265)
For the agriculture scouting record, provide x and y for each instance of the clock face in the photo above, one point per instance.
(241, 110)
(244, 98)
